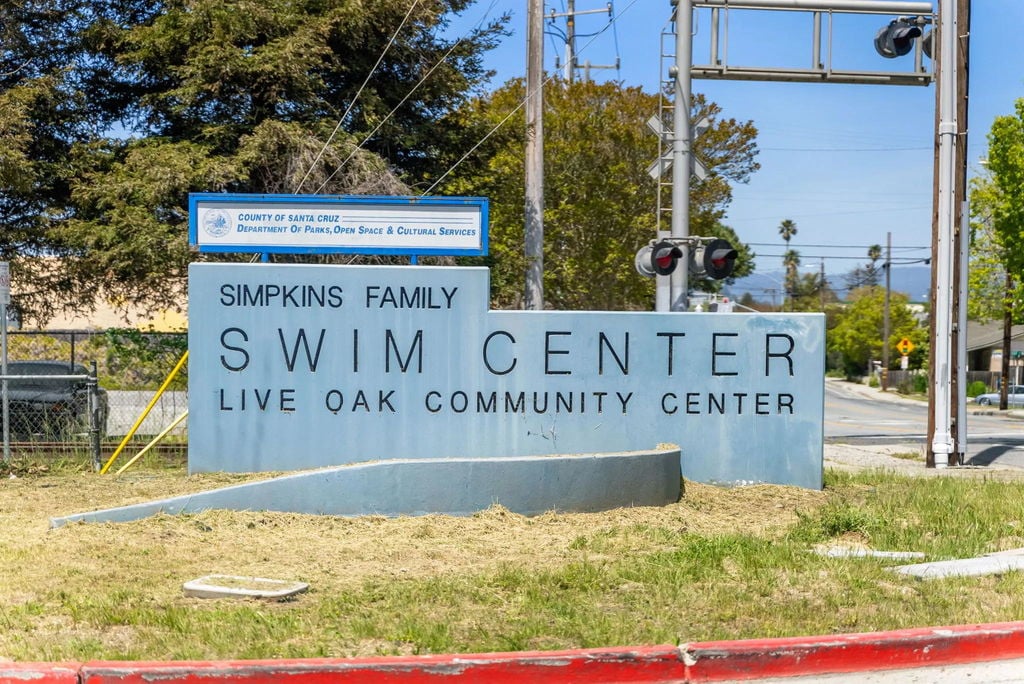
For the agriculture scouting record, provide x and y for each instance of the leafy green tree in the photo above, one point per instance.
(1003, 198)
(599, 200)
(996, 242)
(986, 275)
(856, 337)
(997, 203)
(116, 109)
(811, 293)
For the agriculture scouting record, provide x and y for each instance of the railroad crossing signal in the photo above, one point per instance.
(709, 257)
(662, 165)
(715, 259)
(897, 39)
(657, 258)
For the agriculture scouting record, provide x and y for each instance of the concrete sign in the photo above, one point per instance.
(360, 224)
(297, 366)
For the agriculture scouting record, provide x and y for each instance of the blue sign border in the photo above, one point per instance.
(209, 197)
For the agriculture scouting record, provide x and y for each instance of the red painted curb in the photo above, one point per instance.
(712, 661)
(652, 665)
(40, 673)
(709, 661)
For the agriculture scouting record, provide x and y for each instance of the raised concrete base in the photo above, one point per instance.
(963, 567)
(528, 485)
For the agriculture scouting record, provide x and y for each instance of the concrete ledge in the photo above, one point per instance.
(528, 485)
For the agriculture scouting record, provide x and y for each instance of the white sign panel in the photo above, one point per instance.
(5, 282)
(361, 224)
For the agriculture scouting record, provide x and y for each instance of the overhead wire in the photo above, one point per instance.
(846, 149)
(355, 98)
(736, 219)
(402, 101)
(521, 104)
(828, 246)
(615, 38)
(903, 260)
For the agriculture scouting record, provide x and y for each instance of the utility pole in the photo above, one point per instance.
(960, 236)
(885, 316)
(572, 62)
(821, 286)
(534, 210)
(1004, 366)
(941, 441)
(570, 40)
(947, 358)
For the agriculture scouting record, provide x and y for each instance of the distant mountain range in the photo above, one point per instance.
(913, 281)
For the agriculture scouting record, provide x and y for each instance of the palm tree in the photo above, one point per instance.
(787, 229)
(791, 261)
(874, 254)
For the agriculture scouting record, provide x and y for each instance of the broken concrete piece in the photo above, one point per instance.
(964, 567)
(232, 586)
(857, 552)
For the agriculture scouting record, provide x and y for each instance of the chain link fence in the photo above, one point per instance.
(56, 411)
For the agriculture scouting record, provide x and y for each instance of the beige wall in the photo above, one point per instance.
(107, 317)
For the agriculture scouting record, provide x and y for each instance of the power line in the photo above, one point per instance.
(860, 247)
(845, 149)
(615, 36)
(511, 113)
(835, 256)
(401, 102)
(836, 213)
(352, 104)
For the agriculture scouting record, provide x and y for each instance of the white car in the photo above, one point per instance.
(1015, 397)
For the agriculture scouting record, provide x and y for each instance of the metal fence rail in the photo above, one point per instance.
(130, 366)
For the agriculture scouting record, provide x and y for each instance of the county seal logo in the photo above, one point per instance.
(217, 222)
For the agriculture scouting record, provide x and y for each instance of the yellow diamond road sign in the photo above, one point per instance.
(905, 346)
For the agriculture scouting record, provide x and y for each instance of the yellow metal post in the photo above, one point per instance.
(145, 412)
(153, 443)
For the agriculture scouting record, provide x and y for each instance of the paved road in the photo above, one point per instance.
(862, 416)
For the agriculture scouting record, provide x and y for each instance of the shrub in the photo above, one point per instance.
(977, 387)
(921, 383)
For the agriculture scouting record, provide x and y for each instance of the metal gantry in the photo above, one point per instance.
(822, 66)
(944, 436)
(678, 68)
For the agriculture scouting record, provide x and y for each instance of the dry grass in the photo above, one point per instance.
(332, 552)
(52, 576)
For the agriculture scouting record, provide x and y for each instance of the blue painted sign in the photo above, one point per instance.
(354, 224)
(297, 366)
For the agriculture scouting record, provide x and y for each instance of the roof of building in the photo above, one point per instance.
(990, 335)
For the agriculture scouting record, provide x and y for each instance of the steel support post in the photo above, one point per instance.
(941, 437)
(681, 135)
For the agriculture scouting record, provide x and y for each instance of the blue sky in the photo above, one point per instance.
(847, 163)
